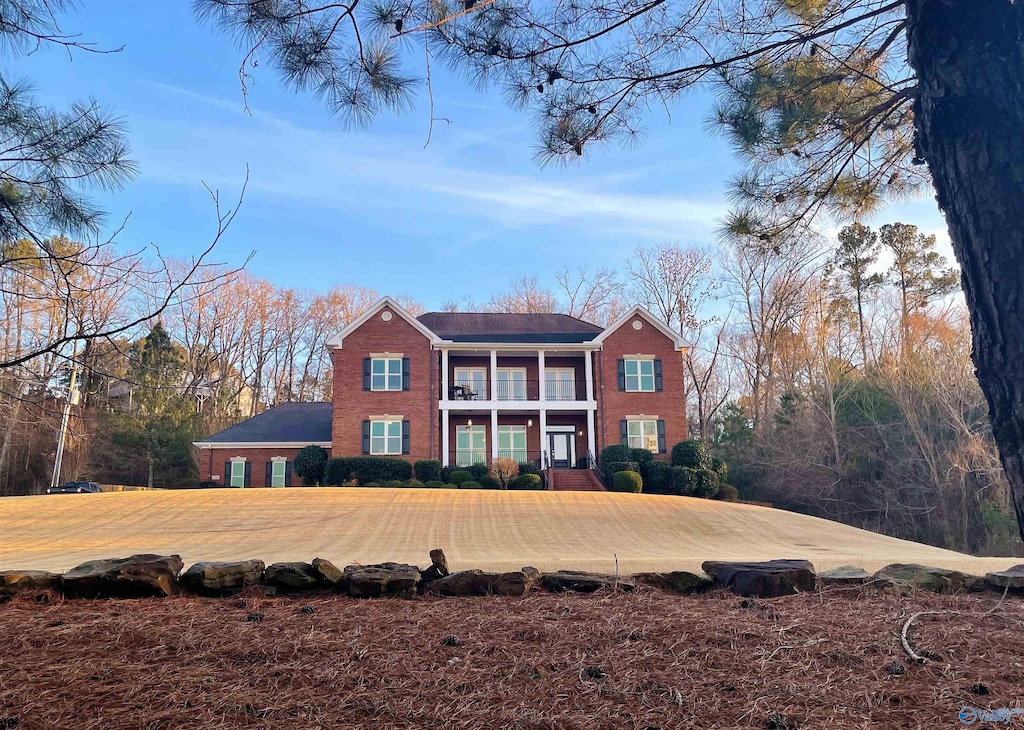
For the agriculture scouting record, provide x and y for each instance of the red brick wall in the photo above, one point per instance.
(614, 405)
(353, 405)
(211, 463)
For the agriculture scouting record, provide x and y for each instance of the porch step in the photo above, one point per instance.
(574, 480)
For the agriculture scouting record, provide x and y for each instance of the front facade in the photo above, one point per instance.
(465, 388)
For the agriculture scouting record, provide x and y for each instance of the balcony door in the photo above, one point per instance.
(470, 384)
(560, 384)
(511, 383)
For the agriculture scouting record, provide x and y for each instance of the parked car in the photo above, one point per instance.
(75, 488)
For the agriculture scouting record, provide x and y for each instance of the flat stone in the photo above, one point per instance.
(582, 582)
(13, 582)
(1001, 579)
(438, 566)
(480, 583)
(846, 575)
(330, 573)
(676, 581)
(766, 579)
(222, 578)
(383, 579)
(927, 578)
(294, 576)
(137, 576)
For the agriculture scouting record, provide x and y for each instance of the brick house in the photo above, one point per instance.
(470, 387)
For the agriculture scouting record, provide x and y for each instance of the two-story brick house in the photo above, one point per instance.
(470, 387)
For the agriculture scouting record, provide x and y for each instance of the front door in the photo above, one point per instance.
(562, 447)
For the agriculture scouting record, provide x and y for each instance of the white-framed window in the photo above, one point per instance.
(511, 383)
(385, 437)
(470, 445)
(639, 375)
(237, 473)
(512, 443)
(278, 468)
(643, 435)
(386, 373)
(471, 383)
(560, 383)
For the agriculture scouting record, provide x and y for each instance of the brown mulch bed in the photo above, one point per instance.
(648, 660)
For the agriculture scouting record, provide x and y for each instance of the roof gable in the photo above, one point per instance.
(377, 306)
(677, 339)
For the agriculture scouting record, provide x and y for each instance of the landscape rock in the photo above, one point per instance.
(766, 579)
(220, 579)
(384, 579)
(137, 576)
(676, 581)
(296, 576)
(330, 573)
(438, 566)
(846, 575)
(997, 581)
(13, 582)
(927, 578)
(480, 583)
(582, 582)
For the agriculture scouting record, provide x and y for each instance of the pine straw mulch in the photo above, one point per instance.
(648, 660)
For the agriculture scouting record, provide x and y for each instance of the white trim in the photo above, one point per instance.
(236, 459)
(640, 375)
(387, 374)
(337, 341)
(387, 436)
(383, 355)
(556, 428)
(276, 459)
(259, 444)
(516, 346)
(677, 339)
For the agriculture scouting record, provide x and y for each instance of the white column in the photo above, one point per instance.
(444, 436)
(540, 376)
(543, 432)
(493, 395)
(494, 434)
(444, 382)
(589, 370)
(591, 436)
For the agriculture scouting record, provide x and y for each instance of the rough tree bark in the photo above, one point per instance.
(969, 60)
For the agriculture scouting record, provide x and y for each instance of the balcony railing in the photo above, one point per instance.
(468, 457)
(519, 390)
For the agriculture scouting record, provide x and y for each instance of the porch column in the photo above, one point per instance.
(494, 434)
(591, 440)
(588, 368)
(543, 423)
(493, 395)
(444, 435)
(541, 387)
(444, 387)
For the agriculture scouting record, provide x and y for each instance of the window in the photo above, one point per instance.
(560, 384)
(277, 473)
(512, 443)
(385, 437)
(386, 373)
(237, 473)
(470, 445)
(471, 383)
(643, 435)
(640, 375)
(511, 383)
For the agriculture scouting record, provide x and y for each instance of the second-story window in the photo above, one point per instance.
(386, 373)
(639, 375)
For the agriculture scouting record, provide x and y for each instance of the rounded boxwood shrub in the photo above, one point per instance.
(489, 482)
(611, 467)
(693, 454)
(525, 481)
(459, 476)
(683, 481)
(707, 484)
(436, 484)
(310, 463)
(427, 470)
(529, 467)
(477, 470)
(627, 481)
(616, 453)
(728, 493)
(471, 485)
(414, 483)
(657, 476)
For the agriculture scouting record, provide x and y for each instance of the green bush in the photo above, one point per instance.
(727, 493)
(693, 454)
(525, 481)
(414, 483)
(612, 467)
(708, 484)
(477, 470)
(657, 476)
(366, 469)
(459, 476)
(615, 453)
(471, 485)
(720, 468)
(436, 484)
(427, 470)
(529, 467)
(309, 465)
(627, 481)
(641, 456)
(489, 482)
(683, 481)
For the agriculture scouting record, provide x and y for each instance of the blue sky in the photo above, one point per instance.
(326, 205)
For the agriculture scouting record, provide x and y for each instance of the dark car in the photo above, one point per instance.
(75, 488)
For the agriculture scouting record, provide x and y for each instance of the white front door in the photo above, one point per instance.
(562, 448)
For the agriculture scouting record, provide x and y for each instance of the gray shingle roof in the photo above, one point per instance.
(501, 327)
(304, 423)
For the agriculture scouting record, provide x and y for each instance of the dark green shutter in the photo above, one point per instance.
(658, 384)
(661, 437)
(405, 373)
(405, 437)
(366, 437)
(227, 473)
(621, 364)
(270, 474)
(287, 473)
(624, 431)
(366, 373)
(248, 474)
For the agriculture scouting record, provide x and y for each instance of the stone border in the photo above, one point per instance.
(146, 575)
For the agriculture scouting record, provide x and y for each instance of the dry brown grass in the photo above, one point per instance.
(648, 660)
(477, 529)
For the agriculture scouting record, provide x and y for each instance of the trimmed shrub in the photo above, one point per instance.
(489, 482)
(398, 483)
(627, 481)
(427, 470)
(459, 476)
(436, 484)
(477, 470)
(366, 469)
(641, 456)
(720, 468)
(446, 473)
(707, 484)
(727, 493)
(503, 470)
(611, 467)
(415, 483)
(657, 476)
(309, 465)
(525, 481)
(616, 453)
(529, 467)
(693, 453)
(683, 481)
(471, 485)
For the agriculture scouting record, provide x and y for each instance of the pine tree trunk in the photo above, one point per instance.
(969, 60)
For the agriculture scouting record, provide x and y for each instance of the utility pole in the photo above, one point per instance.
(66, 417)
